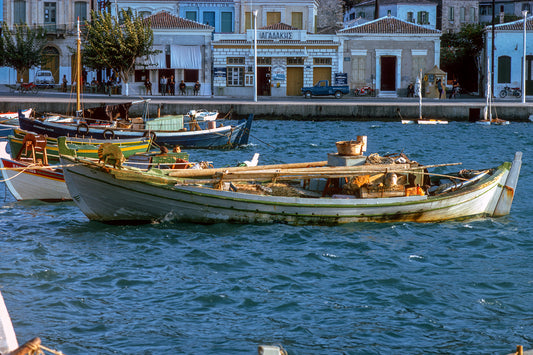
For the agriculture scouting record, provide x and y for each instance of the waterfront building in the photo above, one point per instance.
(388, 53)
(509, 55)
(185, 53)
(59, 20)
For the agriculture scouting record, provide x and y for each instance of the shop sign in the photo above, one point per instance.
(278, 73)
(341, 78)
(276, 35)
(219, 72)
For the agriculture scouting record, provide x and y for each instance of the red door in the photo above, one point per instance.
(388, 73)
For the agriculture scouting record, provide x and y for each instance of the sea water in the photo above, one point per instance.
(170, 288)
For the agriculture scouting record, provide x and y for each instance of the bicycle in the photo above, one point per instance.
(28, 88)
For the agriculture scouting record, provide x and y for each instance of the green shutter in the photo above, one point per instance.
(504, 69)
(226, 24)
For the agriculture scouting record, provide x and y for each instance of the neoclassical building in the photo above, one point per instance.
(388, 53)
(59, 20)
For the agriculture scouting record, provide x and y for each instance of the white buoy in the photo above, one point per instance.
(8, 339)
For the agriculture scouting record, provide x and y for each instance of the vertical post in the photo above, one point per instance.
(492, 45)
(255, 55)
(524, 61)
(78, 69)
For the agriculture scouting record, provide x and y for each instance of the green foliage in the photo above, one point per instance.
(21, 48)
(114, 44)
(460, 55)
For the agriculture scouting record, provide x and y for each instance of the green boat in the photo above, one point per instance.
(27, 145)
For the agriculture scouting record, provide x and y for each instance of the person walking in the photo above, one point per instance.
(163, 85)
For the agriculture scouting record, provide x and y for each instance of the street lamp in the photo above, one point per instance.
(524, 13)
(255, 55)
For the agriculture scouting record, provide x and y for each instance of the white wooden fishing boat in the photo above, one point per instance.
(27, 181)
(339, 190)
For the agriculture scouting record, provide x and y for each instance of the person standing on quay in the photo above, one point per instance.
(182, 87)
(172, 85)
(439, 88)
(163, 85)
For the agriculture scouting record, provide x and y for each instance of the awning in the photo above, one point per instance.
(155, 61)
(185, 57)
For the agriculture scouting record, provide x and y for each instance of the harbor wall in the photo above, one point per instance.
(319, 110)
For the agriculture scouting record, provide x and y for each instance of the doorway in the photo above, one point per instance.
(295, 81)
(529, 75)
(263, 81)
(388, 73)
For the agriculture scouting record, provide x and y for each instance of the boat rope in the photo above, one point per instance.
(35, 167)
(34, 347)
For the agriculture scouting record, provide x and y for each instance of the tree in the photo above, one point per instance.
(460, 55)
(22, 47)
(114, 44)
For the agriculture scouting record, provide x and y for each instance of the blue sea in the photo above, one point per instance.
(463, 287)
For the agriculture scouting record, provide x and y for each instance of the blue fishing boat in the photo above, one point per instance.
(169, 131)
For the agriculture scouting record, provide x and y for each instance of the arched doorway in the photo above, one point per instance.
(51, 61)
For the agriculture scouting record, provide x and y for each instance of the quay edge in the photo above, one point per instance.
(320, 109)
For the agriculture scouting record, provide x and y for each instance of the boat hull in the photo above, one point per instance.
(209, 138)
(104, 197)
(34, 184)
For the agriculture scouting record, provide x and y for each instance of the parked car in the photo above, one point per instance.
(322, 88)
(44, 77)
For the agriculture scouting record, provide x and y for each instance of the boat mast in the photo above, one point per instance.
(419, 93)
(78, 69)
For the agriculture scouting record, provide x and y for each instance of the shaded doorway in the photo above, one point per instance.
(263, 81)
(388, 73)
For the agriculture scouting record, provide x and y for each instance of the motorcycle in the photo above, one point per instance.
(28, 87)
(517, 92)
(364, 91)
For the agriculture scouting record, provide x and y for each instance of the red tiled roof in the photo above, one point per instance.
(517, 25)
(389, 25)
(164, 20)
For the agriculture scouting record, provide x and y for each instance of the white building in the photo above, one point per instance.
(508, 55)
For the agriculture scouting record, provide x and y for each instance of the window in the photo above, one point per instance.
(526, 7)
(191, 15)
(451, 15)
(423, 18)
(235, 60)
(485, 10)
(264, 61)
(190, 75)
(389, 12)
(358, 69)
(226, 22)
(410, 17)
(235, 76)
(80, 11)
(249, 21)
(462, 14)
(295, 61)
(351, 16)
(141, 75)
(50, 16)
(419, 62)
(472, 15)
(209, 18)
(19, 11)
(297, 20)
(273, 18)
(361, 15)
(504, 69)
(322, 61)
